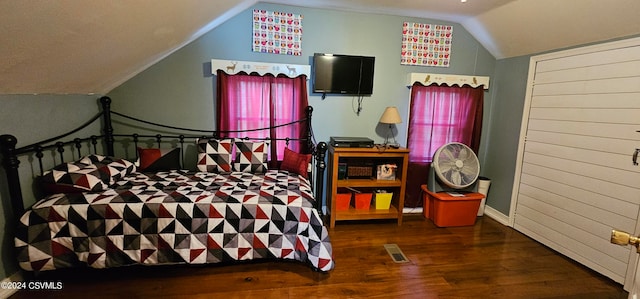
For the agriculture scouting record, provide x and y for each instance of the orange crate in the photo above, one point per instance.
(343, 200)
(363, 201)
(427, 203)
(447, 210)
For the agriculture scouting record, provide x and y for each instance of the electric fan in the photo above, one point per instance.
(454, 168)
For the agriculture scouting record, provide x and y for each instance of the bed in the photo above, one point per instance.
(102, 211)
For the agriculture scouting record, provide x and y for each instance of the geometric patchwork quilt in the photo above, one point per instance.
(177, 217)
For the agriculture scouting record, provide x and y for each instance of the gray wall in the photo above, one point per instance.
(32, 118)
(509, 84)
(179, 90)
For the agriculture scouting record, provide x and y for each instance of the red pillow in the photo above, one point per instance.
(156, 159)
(295, 162)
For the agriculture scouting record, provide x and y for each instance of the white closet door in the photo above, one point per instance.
(575, 180)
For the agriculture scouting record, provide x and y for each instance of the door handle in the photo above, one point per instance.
(624, 238)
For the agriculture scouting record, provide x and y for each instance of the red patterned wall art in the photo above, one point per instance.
(426, 44)
(277, 32)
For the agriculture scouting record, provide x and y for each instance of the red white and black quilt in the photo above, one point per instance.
(177, 217)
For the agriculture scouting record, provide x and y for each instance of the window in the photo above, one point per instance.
(439, 115)
(251, 101)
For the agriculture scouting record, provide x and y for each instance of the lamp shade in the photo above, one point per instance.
(390, 116)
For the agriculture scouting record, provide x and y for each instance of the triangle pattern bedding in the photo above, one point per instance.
(177, 217)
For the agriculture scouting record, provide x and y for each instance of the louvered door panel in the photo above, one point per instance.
(576, 181)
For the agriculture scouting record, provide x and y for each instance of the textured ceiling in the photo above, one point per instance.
(84, 47)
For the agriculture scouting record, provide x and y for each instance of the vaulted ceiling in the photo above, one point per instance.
(85, 47)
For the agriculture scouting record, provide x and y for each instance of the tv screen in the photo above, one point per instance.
(343, 74)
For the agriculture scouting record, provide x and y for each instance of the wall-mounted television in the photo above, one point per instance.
(343, 74)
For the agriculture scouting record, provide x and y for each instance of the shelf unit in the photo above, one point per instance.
(374, 156)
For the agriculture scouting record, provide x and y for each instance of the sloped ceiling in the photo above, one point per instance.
(86, 47)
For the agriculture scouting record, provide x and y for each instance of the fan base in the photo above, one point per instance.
(435, 185)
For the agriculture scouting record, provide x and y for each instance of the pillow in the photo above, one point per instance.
(91, 173)
(214, 155)
(295, 162)
(91, 159)
(74, 177)
(158, 159)
(113, 169)
(251, 156)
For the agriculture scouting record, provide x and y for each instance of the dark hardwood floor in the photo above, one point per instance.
(487, 260)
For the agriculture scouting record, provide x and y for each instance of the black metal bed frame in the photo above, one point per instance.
(11, 162)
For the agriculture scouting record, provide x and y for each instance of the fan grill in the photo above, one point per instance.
(456, 165)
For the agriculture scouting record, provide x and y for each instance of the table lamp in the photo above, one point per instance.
(390, 116)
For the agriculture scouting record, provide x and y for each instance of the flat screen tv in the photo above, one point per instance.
(343, 74)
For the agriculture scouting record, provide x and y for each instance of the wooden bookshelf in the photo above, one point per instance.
(371, 157)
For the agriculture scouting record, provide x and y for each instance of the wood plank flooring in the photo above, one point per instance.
(487, 260)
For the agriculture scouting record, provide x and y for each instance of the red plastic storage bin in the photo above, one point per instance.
(363, 200)
(448, 210)
(343, 200)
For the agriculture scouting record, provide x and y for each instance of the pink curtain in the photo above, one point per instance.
(248, 101)
(438, 115)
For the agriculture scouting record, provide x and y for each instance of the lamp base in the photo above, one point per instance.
(387, 140)
(392, 145)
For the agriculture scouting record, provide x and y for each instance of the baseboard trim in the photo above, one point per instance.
(488, 211)
(496, 215)
(6, 293)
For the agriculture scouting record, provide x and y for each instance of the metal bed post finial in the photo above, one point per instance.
(108, 129)
(10, 162)
(321, 151)
(308, 130)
